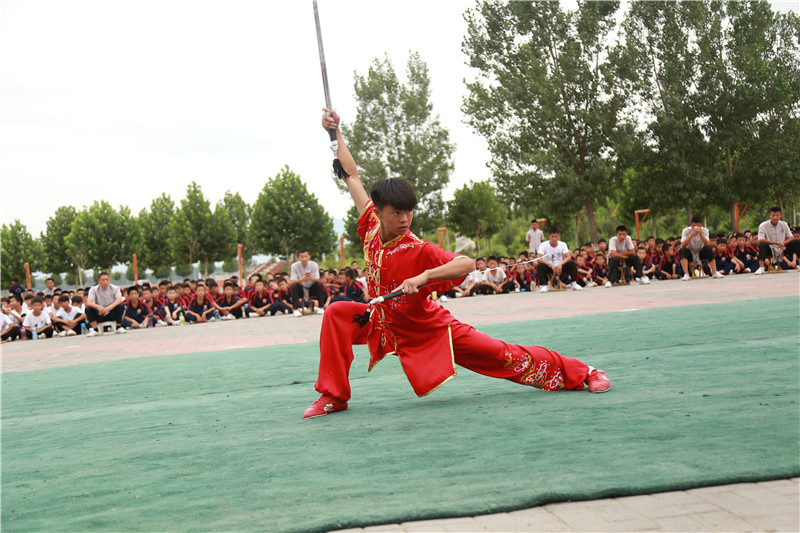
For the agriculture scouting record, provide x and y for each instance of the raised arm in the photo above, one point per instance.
(330, 120)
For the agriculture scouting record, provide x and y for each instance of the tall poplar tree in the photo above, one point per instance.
(396, 134)
(547, 101)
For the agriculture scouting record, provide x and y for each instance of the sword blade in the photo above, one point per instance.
(322, 58)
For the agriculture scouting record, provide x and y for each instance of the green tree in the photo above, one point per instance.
(396, 134)
(108, 236)
(56, 257)
(79, 242)
(476, 210)
(749, 84)
(239, 212)
(219, 239)
(287, 217)
(155, 224)
(660, 64)
(547, 101)
(188, 226)
(18, 247)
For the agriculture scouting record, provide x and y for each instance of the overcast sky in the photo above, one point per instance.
(123, 100)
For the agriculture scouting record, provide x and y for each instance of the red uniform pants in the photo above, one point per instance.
(527, 365)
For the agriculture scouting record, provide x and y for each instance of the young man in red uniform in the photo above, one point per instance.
(428, 340)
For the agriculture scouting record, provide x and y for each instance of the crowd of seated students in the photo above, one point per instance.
(29, 315)
(659, 259)
(696, 253)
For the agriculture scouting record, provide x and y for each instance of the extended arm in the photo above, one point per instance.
(357, 191)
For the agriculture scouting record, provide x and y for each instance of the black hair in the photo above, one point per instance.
(103, 274)
(37, 300)
(50, 279)
(722, 240)
(14, 280)
(621, 228)
(553, 229)
(77, 299)
(302, 251)
(16, 297)
(395, 192)
(659, 241)
(601, 240)
(63, 298)
(212, 283)
(491, 258)
(134, 288)
(350, 273)
(696, 219)
(163, 282)
(775, 209)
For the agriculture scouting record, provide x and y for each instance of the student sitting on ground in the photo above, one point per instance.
(521, 278)
(743, 257)
(9, 329)
(585, 272)
(200, 309)
(494, 277)
(69, 317)
(230, 304)
(170, 310)
(599, 269)
(259, 299)
(722, 256)
(37, 321)
(137, 313)
(350, 290)
(648, 268)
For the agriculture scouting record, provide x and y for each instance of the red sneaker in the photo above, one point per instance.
(598, 381)
(324, 406)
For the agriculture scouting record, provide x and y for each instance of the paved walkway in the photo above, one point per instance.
(766, 506)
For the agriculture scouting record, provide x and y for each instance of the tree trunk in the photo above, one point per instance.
(589, 206)
(206, 268)
(577, 237)
(654, 225)
(688, 215)
(733, 217)
(478, 242)
(780, 203)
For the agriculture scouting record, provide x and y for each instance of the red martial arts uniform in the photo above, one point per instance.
(428, 340)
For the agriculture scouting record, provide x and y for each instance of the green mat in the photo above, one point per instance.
(700, 395)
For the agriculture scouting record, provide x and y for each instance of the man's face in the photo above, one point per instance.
(740, 242)
(259, 286)
(480, 264)
(651, 243)
(65, 305)
(697, 226)
(641, 254)
(492, 264)
(580, 260)
(171, 294)
(146, 294)
(228, 291)
(201, 292)
(394, 221)
(554, 238)
(304, 257)
(282, 285)
(775, 217)
(50, 283)
(535, 224)
(599, 259)
(722, 246)
(104, 281)
(622, 235)
(37, 307)
(162, 290)
(133, 296)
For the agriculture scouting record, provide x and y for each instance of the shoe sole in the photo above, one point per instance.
(600, 391)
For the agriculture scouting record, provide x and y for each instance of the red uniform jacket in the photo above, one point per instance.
(412, 327)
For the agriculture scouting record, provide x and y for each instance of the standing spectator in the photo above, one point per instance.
(534, 238)
(622, 251)
(104, 304)
(556, 260)
(15, 287)
(697, 248)
(305, 275)
(775, 241)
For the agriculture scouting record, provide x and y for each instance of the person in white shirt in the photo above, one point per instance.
(305, 275)
(556, 259)
(494, 277)
(534, 238)
(697, 248)
(9, 330)
(37, 321)
(622, 251)
(775, 240)
(68, 318)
